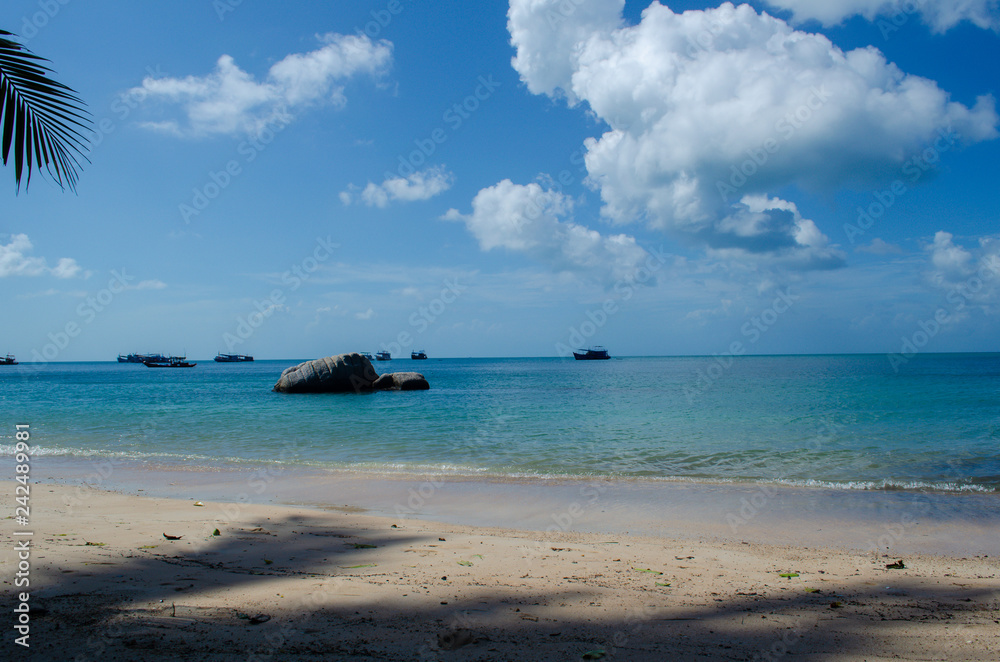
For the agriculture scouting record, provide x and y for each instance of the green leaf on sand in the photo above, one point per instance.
(812, 590)
(363, 565)
(361, 545)
(789, 575)
(662, 583)
(652, 572)
(465, 563)
(95, 544)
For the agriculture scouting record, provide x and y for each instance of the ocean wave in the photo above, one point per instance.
(200, 462)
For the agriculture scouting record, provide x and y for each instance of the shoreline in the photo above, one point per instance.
(305, 583)
(944, 523)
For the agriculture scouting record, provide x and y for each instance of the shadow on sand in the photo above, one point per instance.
(300, 588)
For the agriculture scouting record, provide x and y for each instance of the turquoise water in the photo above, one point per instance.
(850, 422)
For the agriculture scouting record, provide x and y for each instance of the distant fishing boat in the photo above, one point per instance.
(595, 353)
(383, 356)
(142, 358)
(232, 358)
(8, 360)
(170, 362)
(419, 354)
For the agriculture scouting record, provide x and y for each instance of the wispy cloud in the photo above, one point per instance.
(879, 247)
(941, 15)
(154, 284)
(422, 185)
(230, 100)
(15, 261)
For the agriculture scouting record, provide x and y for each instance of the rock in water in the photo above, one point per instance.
(402, 381)
(343, 373)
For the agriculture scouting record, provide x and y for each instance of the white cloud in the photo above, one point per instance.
(367, 315)
(14, 261)
(711, 109)
(970, 276)
(949, 260)
(547, 35)
(421, 185)
(879, 247)
(771, 227)
(535, 221)
(230, 100)
(154, 284)
(941, 15)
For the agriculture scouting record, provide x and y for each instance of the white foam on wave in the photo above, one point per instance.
(469, 471)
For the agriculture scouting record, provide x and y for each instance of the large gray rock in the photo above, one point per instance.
(345, 373)
(402, 381)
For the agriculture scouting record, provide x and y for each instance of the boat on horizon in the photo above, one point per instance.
(419, 354)
(368, 356)
(383, 356)
(142, 358)
(232, 358)
(170, 362)
(8, 360)
(595, 353)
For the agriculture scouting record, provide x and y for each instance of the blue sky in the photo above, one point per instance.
(493, 179)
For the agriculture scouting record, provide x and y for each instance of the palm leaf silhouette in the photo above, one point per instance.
(42, 120)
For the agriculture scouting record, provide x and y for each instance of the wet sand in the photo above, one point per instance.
(339, 577)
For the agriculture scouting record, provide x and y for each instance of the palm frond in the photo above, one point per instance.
(42, 120)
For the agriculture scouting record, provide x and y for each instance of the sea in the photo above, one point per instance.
(846, 423)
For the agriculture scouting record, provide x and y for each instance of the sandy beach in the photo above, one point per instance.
(273, 582)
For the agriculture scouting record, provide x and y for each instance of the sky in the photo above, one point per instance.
(512, 179)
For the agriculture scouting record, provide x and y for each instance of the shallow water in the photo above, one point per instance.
(844, 422)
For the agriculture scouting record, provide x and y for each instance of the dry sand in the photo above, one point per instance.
(281, 583)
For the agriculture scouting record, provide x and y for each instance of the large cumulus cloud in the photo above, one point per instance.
(710, 113)
(537, 222)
